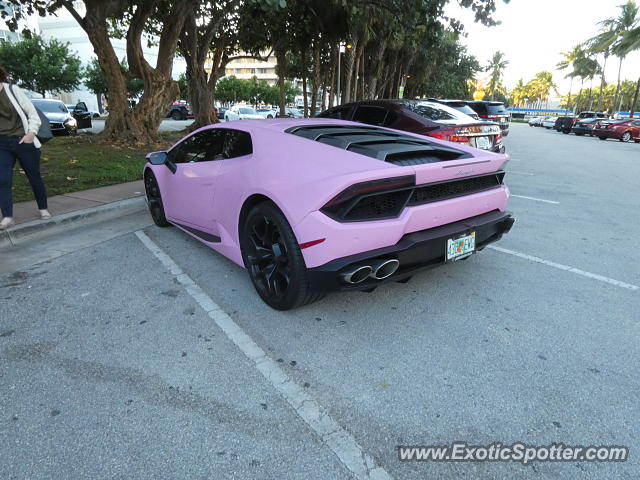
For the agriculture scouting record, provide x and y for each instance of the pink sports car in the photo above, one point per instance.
(316, 205)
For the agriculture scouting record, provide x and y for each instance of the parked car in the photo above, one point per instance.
(242, 112)
(93, 113)
(585, 126)
(220, 113)
(290, 112)
(287, 198)
(536, 121)
(564, 124)
(590, 114)
(61, 120)
(423, 117)
(180, 110)
(623, 130)
(493, 111)
(267, 112)
(460, 105)
(549, 122)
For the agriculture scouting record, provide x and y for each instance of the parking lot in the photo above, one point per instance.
(141, 353)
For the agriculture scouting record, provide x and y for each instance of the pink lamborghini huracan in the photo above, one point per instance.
(315, 205)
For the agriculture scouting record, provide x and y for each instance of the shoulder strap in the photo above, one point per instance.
(15, 98)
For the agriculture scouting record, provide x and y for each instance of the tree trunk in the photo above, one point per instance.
(569, 99)
(303, 53)
(315, 82)
(606, 56)
(201, 93)
(635, 99)
(615, 98)
(377, 73)
(118, 124)
(332, 83)
(349, 62)
(579, 96)
(356, 75)
(590, 93)
(282, 59)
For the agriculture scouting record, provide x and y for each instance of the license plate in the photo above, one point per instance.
(461, 247)
(483, 142)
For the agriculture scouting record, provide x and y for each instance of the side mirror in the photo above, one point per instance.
(157, 158)
(161, 158)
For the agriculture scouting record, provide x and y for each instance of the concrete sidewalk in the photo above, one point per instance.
(70, 202)
(74, 210)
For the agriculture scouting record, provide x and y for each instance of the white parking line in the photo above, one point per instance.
(520, 173)
(339, 440)
(560, 266)
(536, 199)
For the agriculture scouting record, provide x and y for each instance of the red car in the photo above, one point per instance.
(425, 118)
(624, 130)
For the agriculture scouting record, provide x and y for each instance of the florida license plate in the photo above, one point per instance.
(483, 142)
(461, 247)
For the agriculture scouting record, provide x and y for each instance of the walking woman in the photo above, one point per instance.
(19, 123)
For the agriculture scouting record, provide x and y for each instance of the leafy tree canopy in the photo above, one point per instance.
(41, 66)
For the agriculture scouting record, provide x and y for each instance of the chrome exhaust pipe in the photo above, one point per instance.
(384, 268)
(357, 274)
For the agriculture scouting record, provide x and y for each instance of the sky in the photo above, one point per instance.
(533, 34)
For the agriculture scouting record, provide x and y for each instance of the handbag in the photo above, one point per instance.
(44, 133)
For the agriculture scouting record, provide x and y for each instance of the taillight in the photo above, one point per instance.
(451, 135)
(367, 188)
(489, 116)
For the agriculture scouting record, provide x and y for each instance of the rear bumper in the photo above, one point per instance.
(414, 251)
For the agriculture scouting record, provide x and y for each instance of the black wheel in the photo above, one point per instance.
(626, 136)
(273, 259)
(579, 134)
(637, 141)
(154, 199)
(176, 115)
(602, 138)
(269, 116)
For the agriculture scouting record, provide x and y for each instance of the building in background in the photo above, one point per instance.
(246, 68)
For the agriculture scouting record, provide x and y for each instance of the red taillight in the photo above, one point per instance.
(450, 136)
(489, 116)
(372, 186)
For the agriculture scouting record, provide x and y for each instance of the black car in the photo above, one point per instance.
(460, 105)
(424, 118)
(220, 114)
(61, 120)
(565, 124)
(585, 126)
(492, 111)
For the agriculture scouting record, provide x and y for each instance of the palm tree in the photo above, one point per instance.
(612, 37)
(632, 43)
(496, 66)
(542, 85)
(568, 58)
(584, 67)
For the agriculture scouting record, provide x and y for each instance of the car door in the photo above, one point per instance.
(82, 115)
(192, 188)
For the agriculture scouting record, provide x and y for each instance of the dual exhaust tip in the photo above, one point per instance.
(378, 270)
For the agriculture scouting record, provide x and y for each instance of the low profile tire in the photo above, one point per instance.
(154, 200)
(626, 136)
(637, 141)
(272, 256)
(579, 134)
(602, 138)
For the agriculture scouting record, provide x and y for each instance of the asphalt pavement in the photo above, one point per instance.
(136, 352)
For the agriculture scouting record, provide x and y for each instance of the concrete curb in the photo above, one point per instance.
(36, 229)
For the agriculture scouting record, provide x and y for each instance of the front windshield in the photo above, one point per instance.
(247, 111)
(51, 107)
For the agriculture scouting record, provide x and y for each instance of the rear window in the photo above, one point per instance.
(496, 109)
(464, 108)
(432, 111)
(370, 115)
